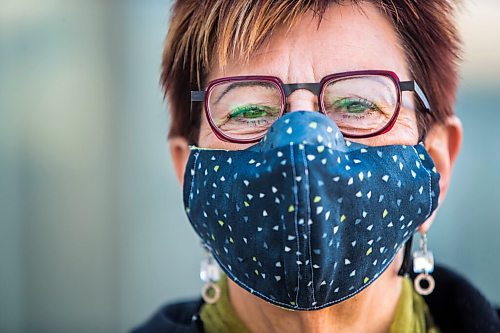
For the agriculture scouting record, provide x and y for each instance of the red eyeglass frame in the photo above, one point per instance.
(316, 88)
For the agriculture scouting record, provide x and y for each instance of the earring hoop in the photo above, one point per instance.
(430, 284)
(210, 292)
(210, 274)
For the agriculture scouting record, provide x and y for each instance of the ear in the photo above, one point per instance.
(443, 143)
(179, 151)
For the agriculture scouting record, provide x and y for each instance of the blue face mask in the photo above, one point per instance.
(305, 219)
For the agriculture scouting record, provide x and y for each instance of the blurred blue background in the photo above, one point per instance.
(93, 236)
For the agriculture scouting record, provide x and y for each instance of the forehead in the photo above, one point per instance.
(349, 37)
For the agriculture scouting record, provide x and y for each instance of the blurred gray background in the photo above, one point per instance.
(93, 236)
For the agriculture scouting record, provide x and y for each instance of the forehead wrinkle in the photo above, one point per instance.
(296, 63)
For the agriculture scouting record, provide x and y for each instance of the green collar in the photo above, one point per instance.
(412, 313)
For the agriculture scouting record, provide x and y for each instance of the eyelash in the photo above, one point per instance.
(343, 102)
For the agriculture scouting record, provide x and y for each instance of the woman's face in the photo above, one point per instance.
(349, 38)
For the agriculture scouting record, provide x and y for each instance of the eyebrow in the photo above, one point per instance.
(239, 84)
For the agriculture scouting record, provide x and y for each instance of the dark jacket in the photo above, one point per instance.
(455, 305)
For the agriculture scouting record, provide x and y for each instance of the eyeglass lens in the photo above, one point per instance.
(359, 105)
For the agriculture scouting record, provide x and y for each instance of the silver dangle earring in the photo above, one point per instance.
(423, 265)
(210, 274)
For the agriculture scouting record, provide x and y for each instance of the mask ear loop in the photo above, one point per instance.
(405, 266)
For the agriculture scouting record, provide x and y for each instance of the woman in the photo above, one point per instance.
(322, 138)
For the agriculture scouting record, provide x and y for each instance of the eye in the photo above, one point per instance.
(249, 117)
(351, 105)
(251, 111)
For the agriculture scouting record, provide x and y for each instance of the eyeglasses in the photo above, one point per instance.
(363, 104)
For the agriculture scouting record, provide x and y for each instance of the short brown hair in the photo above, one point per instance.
(203, 29)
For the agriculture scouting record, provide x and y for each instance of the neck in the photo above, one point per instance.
(372, 310)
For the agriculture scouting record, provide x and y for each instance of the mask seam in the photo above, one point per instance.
(430, 183)
(431, 201)
(306, 166)
(191, 195)
(283, 224)
(292, 162)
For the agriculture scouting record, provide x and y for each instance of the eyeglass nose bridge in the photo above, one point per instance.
(288, 89)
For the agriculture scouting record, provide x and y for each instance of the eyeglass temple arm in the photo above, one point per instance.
(413, 86)
(197, 96)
